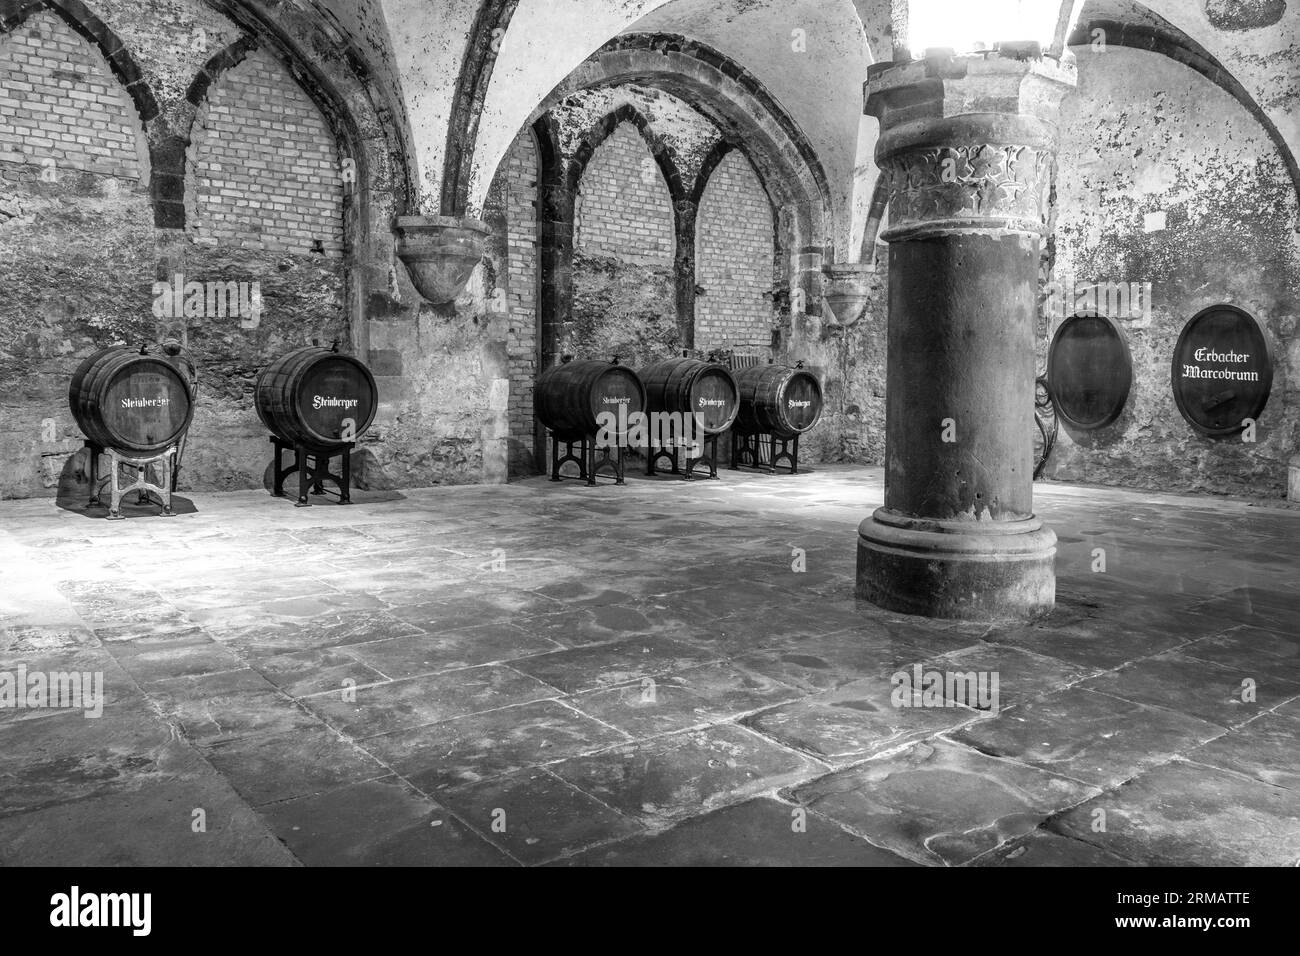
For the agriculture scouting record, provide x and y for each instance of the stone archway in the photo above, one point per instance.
(743, 113)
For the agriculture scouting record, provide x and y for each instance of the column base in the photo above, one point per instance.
(967, 570)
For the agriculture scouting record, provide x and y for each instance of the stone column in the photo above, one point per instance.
(968, 146)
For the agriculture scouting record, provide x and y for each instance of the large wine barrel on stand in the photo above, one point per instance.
(778, 400)
(125, 399)
(568, 397)
(687, 385)
(307, 398)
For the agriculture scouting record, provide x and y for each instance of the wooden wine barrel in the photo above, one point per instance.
(308, 397)
(123, 398)
(569, 396)
(686, 385)
(778, 400)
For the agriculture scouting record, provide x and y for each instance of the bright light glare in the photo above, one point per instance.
(968, 26)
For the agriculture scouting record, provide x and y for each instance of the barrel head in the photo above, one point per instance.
(146, 406)
(1090, 371)
(336, 399)
(1222, 370)
(802, 401)
(618, 387)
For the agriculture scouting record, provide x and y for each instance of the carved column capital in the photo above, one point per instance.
(968, 186)
(967, 143)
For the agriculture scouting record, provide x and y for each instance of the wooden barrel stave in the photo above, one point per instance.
(305, 396)
(135, 403)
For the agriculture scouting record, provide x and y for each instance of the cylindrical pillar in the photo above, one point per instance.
(968, 147)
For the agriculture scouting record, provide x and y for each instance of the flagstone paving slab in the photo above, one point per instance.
(269, 768)
(1181, 814)
(1225, 695)
(1092, 737)
(400, 705)
(448, 650)
(69, 757)
(378, 823)
(762, 832)
(480, 746)
(666, 779)
(1266, 748)
(1044, 848)
(191, 821)
(535, 816)
(941, 802)
(856, 721)
(602, 665)
(684, 699)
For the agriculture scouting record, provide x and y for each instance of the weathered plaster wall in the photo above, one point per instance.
(428, 42)
(1253, 40)
(850, 361)
(1144, 135)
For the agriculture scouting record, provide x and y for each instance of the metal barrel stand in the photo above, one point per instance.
(164, 462)
(674, 455)
(313, 469)
(752, 446)
(588, 465)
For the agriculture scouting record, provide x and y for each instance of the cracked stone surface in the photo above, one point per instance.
(543, 674)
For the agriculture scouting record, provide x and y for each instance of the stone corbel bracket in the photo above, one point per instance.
(440, 253)
(848, 288)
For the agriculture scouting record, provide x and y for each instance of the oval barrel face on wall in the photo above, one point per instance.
(1090, 371)
(132, 402)
(317, 398)
(570, 397)
(778, 400)
(689, 386)
(1222, 370)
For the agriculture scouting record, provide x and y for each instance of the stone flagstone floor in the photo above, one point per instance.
(547, 673)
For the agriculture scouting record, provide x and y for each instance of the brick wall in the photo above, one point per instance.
(624, 208)
(263, 167)
(520, 174)
(734, 251)
(61, 108)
